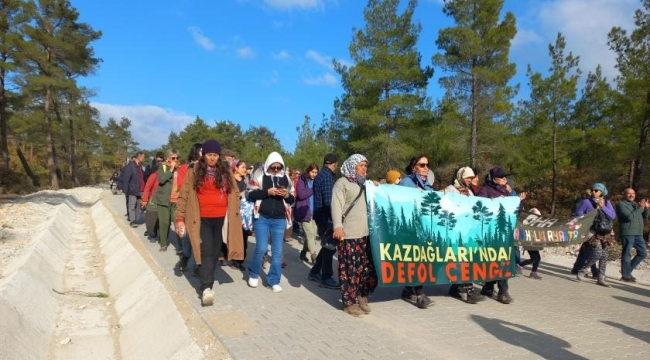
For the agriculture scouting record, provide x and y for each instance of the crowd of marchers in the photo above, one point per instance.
(208, 205)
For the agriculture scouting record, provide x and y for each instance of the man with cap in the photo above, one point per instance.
(496, 185)
(323, 269)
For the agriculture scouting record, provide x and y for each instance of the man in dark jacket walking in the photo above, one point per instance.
(323, 271)
(630, 220)
(133, 187)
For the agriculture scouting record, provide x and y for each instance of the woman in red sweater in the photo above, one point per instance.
(208, 194)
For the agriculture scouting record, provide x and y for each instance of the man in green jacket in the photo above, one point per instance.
(630, 219)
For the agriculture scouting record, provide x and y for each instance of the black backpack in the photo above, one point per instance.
(602, 224)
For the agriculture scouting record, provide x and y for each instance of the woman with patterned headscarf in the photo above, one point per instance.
(462, 185)
(356, 270)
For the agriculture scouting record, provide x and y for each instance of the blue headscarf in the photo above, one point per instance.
(601, 187)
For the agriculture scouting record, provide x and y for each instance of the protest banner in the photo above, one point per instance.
(537, 230)
(428, 237)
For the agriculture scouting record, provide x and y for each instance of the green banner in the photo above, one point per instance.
(428, 237)
(536, 230)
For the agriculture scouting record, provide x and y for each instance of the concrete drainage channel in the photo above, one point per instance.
(84, 291)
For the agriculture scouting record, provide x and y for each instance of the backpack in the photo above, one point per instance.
(602, 224)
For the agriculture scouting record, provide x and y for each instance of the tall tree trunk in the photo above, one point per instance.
(630, 175)
(554, 181)
(73, 155)
(10, 135)
(474, 139)
(643, 141)
(49, 140)
(4, 146)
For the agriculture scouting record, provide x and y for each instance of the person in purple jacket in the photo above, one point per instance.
(591, 255)
(304, 210)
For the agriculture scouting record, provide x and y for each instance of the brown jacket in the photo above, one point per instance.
(187, 209)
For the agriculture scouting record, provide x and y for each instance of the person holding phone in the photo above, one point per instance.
(272, 191)
(166, 196)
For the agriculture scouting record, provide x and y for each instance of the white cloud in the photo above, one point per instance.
(201, 39)
(275, 77)
(585, 25)
(150, 124)
(326, 79)
(291, 4)
(282, 55)
(323, 60)
(245, 53)
(525, 36)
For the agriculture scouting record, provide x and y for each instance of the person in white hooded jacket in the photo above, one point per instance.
(272, 192)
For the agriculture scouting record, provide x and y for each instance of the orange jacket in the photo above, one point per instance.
(150, 187)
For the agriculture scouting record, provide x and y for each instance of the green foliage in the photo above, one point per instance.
(633, 62)
(252, 145)
(542, 119)
(311, 146)
(556, 140)
(385, 91)
(476, 53)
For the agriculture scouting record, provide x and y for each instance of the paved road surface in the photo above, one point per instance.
(555, 318)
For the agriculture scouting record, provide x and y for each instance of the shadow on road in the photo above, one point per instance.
(542, 344)
(639, 334)
(633, 301)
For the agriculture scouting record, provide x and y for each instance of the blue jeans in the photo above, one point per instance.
(627, 263)
(262, 228)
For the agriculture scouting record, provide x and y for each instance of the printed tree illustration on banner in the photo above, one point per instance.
(418, 230)
(430, 206)
(391, 219)
(482, 214)
(502, 227)
(448, 221)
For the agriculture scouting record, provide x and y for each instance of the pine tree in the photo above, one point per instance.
(476, 53)
(482, 214)
(430, 206)
(56, 51)
(11, 19)
(448, 221)
(548, 110)
(385, 89)
(310, 147)
(633, 62)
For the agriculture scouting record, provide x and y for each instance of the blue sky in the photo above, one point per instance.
(269, 62)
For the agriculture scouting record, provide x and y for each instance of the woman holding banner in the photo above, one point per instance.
(463, 185)
(417, 176)
(496, 185)
(595, 249)
(533, 251)
(350, 221)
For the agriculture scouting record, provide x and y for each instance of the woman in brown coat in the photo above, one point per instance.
(208, 209)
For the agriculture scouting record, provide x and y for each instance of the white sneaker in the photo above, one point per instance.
(276, 288)
(253, 282)
(208, 297)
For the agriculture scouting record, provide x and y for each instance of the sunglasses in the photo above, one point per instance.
(422, 165)
(275, 168)
(174, 157)
(594, 190)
